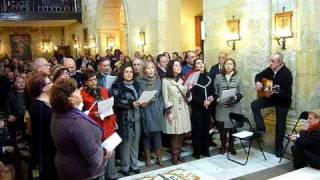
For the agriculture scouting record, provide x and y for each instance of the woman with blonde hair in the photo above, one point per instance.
(152, 124)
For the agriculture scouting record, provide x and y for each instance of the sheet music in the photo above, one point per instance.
(112, 142)
(228, 93)
(110, 80)
(146, 96)
(105, 107)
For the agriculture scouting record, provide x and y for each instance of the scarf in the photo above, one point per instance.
(129, 84)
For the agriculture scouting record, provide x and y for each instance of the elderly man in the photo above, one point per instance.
(42, 66)
(279, 96)
(197, 51)
(70, 64)
(137, 66)
(217, 68)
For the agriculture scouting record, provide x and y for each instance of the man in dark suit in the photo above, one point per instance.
(279, 97)
(216, 69)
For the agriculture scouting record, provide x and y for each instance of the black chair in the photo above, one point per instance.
(303, 115)
(238, 121)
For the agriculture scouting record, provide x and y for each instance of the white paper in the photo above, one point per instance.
(228, 93)
(110, 80)
(146, 96)
(105, 107)
(243, 134)
(112, 142)
(193, 78)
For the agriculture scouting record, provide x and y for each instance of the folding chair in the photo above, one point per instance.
(303, 115)
(238, 121)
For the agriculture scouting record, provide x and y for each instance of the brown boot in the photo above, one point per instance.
(181, 138)
(174, 149)
(147, 158)
(223, 139)
(159, 157)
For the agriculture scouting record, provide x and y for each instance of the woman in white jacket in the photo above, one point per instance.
(177, 115)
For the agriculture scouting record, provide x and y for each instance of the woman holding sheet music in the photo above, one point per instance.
(202, 101)
(91, 94)
(128, 110)
(226, 80)
(76, 136)
(153, 122)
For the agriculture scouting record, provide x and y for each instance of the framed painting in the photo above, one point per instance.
(21, 46)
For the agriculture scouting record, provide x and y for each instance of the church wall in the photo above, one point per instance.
(252, 51)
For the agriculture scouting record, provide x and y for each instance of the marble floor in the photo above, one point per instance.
(214, 167)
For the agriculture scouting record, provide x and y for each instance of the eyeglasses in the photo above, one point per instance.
(92, 79)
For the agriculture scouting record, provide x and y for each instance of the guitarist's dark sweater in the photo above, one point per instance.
(283, 78)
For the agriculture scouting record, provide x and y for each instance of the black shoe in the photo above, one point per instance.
(136, 171)
(207, 154)
(278, 154)
(196, 156)
(124, 173)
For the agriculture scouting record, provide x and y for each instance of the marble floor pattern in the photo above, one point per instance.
(214, 167)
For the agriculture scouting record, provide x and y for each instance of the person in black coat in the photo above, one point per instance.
(202, 98)
(43, 149)
(306, 149)
(217, 68)
(279, 97)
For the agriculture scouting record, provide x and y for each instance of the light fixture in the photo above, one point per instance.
(283, 27)
(142, 40)
(110, 42)
(46, 43)
(233, 34)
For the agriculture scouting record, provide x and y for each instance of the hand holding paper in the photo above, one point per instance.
(146, 96)
(112, 142)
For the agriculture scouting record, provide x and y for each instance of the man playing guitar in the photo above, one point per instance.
(277, 95)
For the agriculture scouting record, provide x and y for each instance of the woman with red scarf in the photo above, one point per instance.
(91, 94)
(307, 144)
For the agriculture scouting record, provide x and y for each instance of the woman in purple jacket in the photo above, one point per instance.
(76, 136)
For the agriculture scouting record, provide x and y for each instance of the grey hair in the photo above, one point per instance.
(280, 57)
(36, 63)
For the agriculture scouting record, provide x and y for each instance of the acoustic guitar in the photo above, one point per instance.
(266, 88)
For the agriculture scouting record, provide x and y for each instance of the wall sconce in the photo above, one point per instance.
(111, 42)
(76, 44)
(283, 27)
(46, 44)
(233, 34)
(142, 40)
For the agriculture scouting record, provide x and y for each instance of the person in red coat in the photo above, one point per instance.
(91, 94)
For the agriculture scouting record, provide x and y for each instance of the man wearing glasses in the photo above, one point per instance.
(279, 96)
(217, 68)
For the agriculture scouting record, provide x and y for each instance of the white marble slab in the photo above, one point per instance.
(304, 173)
(216, 167)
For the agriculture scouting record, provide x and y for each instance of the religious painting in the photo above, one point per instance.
(283, 24)
(21, 46)
(234, 29)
